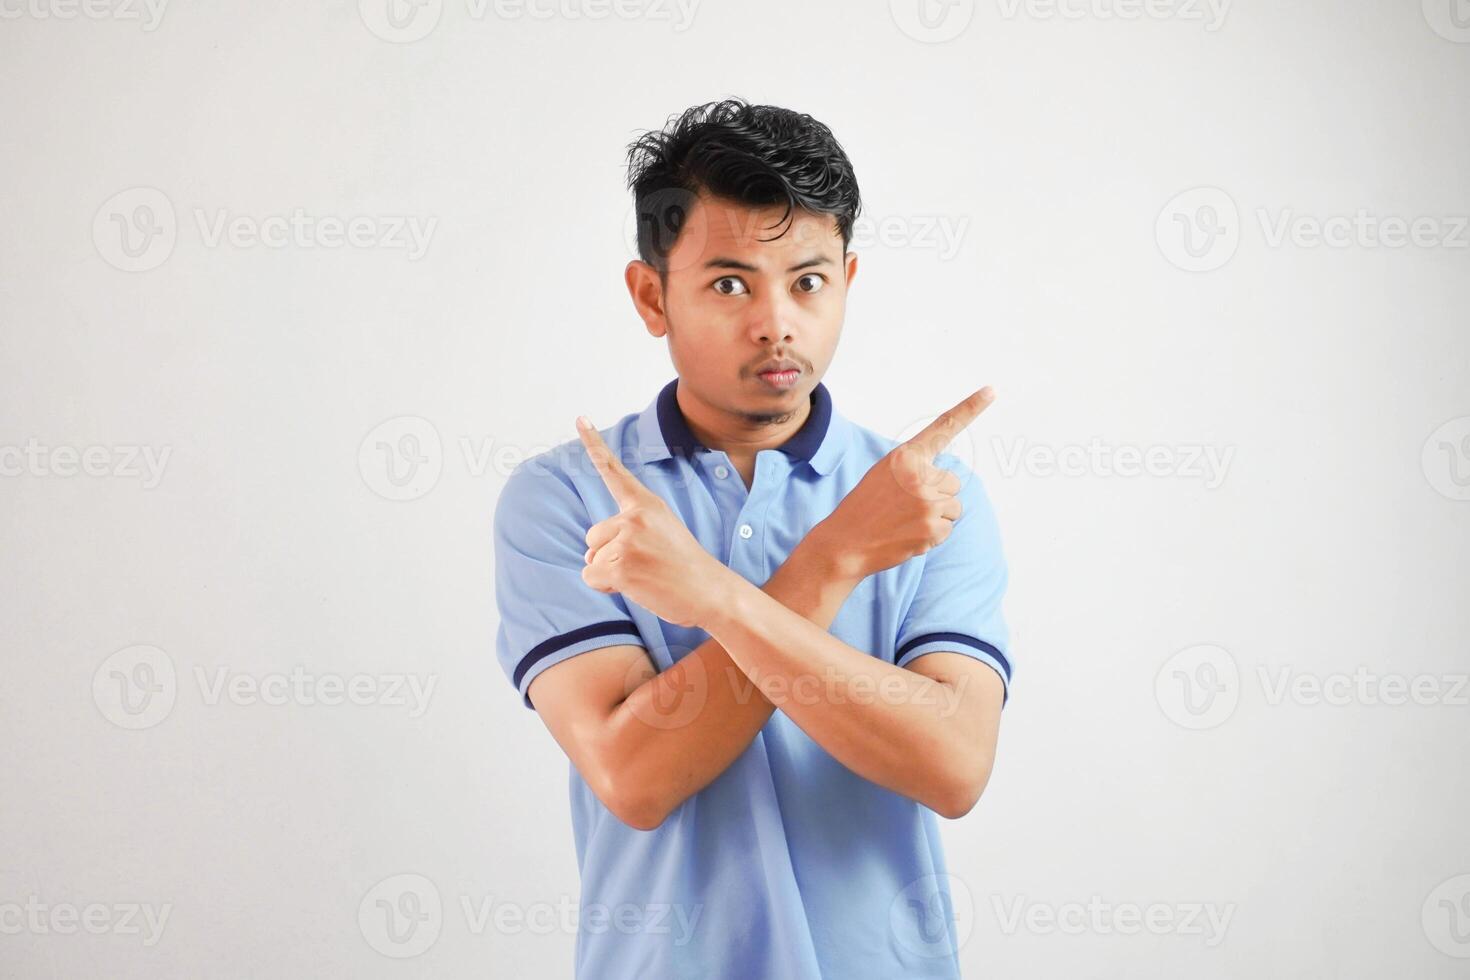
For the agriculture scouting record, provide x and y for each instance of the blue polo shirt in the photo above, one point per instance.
(787, 865)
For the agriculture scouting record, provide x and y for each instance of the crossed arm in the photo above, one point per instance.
(927, 732)
(643, 759)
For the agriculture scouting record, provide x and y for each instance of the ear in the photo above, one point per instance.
(648, 295)
(851, 263)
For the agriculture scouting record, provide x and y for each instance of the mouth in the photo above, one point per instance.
(779, 379)
(779, 373)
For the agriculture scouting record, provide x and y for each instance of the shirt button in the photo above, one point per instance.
(746, 530)
(721, 472)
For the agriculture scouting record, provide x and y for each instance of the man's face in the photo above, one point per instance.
(734, 303)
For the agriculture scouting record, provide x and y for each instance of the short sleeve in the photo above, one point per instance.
(547, 613)
(957, 606)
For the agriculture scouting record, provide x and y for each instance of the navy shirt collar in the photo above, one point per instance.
(801, 447)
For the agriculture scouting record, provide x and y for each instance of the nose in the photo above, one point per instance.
(771, 318)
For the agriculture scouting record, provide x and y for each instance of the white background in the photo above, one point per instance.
(1335, 379)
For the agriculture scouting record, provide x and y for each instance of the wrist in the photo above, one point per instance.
(724, 600)
(829, 553)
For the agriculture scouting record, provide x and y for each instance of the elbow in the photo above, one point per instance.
(633, 805)
(623, 788)
(956, 805)
(960, 794)
(640, 814)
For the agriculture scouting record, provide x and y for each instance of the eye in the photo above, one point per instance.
(818, 281)
(730, 286)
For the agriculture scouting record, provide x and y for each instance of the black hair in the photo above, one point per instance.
(756, 155)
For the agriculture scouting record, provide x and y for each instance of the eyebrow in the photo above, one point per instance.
(724, 263)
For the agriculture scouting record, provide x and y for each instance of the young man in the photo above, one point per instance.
(769, 640)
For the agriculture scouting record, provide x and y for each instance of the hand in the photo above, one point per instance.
(904, 505)
(644, 551)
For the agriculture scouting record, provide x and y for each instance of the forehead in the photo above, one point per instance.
(718, 228)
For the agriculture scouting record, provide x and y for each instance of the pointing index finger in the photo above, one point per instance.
(932, 439)
(623, 485)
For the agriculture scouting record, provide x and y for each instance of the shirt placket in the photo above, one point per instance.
(742, 511)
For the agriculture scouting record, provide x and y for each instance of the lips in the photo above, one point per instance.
(778, 366)
(780, 380)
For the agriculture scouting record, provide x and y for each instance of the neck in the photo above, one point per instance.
(740, 434)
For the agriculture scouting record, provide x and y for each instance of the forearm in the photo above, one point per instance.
(682, 727)
(888, 724)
